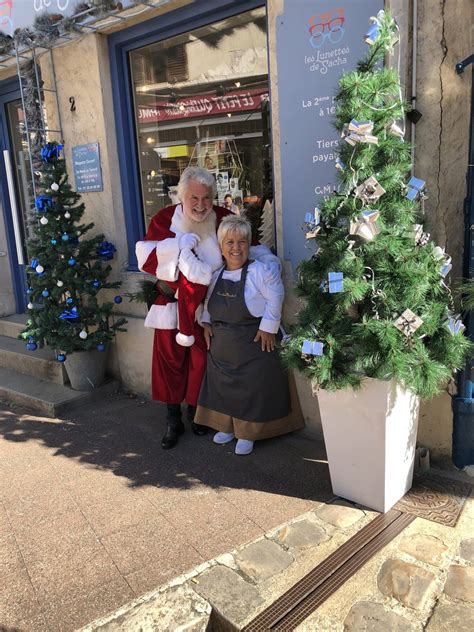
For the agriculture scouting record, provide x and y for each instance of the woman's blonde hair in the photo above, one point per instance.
(234, 224)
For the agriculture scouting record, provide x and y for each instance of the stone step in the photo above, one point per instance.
(40, 363)
(46, 397)
(13, 325)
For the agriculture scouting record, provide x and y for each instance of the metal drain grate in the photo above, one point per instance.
(306, 595)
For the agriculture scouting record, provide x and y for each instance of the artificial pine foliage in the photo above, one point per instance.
(347, 330)
(66, 272)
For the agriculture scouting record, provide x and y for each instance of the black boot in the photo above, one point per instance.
(174, 428)
(196, 428)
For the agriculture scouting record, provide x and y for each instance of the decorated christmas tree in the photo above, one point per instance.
(376, 295)
(67, 271)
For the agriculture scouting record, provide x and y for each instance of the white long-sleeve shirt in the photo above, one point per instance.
(263, 294)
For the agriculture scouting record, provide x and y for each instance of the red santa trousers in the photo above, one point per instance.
(177, 371)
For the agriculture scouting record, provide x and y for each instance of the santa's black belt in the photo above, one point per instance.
(166, 290)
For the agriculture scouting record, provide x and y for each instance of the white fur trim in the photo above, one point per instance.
(184, 341)
(162, 316)
(143, 250)
(167, 253)
(194, 270)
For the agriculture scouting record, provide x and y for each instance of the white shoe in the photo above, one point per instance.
(223, 437)
(243, 446)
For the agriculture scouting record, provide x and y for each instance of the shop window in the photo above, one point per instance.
(201, 98)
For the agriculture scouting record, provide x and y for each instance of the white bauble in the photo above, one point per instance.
(30, 306)
(39, 269)
(59, 283)
(67, 214)
(44, 220)
(55, 186)
(83, 334)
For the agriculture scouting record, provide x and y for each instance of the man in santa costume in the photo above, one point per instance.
(180, 249)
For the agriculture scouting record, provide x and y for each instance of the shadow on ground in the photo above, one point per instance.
(122, 435)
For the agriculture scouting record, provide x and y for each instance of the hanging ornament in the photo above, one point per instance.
(72, 261)
(340, 166)
(335, 282)
(55, 187)
(312, 222)
(416, 189)
(397, 130)
(455, 325)
(83, 334)
(421, 238)
(65, 237)
(441, 256)
(29, 290)
(30, 305)
(106, 250)
(61, 357)
(31, 344)
(59, 283)
(359, 132)
(408, 322)
(369, 191)
(39, 269)
(118, 299)
(50, 152)
(375, 31)
(69, 300)
(69, 314)
(53, 241)
(365, 225)
(44, 220)
(96, 283)
(311, 348)
(45, 293)
(43, 203)
(67, 214)
(34, 263)
(101, 346)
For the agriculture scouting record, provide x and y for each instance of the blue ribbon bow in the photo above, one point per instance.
(69, 314)
(50, 152)
(106, 251)
(43, 203)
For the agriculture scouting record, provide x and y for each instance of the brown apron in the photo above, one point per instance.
(241, 380)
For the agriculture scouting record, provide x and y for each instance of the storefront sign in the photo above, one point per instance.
(16, 14)
(203, 105)
(86, 166)
(316, 42)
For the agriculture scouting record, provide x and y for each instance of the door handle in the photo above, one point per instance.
(14, 207)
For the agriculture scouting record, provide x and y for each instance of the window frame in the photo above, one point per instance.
(120, 44)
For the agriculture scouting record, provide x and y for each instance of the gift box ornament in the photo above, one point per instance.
(312, 222)
(335, 282)
(369, 191)
(416, 189)
(396, 130)
(365, 226)
(359, 132)
(442, 257)
(311, 348)
(455, 325)
(372, 34)
(421, 238)
(408, 322)
(340, 166)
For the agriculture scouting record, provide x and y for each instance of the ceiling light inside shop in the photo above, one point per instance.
(150, 140)
(181, 107)
(237, 84)
(229, 114)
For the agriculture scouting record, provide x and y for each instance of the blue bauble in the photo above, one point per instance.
(96, 283)
(65, 237)
(61, 357)
(72, 261)
(31, 345)
(29, 290)
(45, 293)
(118, 299)
(101, 346)
(69, 300)
(54, 242)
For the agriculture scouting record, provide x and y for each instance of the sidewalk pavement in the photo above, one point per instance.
(98, 524)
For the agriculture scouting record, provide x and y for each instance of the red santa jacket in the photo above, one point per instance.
(159, 255)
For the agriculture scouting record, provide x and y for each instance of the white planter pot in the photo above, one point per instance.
(370, 438)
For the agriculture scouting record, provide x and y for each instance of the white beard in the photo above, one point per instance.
(208, 248)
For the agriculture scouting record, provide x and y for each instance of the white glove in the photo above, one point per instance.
(188, 240)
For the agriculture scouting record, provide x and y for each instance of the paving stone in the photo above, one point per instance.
(302, 534)
(466, 550)
(178, 608)
(425, 548)
(228, 593)
(460, 583)
(263, 559)
(340, 515)
(366, 616)
(459, 618)
(408, 583)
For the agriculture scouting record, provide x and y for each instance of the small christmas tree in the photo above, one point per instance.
(66, 272)
(376, 302)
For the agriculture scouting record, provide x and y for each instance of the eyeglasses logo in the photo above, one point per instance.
(326, 26)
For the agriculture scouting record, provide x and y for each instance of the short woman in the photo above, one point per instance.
(245, 392)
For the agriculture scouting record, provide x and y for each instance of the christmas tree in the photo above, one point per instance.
(66, 272)
(376, 302)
